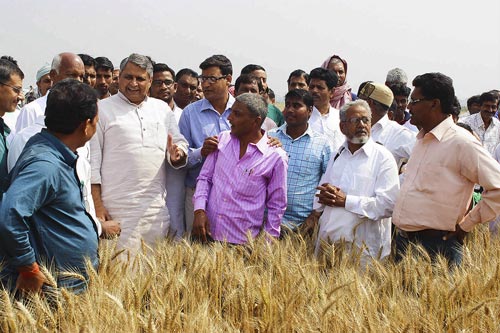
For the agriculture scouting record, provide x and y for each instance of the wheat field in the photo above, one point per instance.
(270, 287)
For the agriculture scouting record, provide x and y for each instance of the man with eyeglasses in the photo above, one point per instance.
(64, 65)
(11, 93)
(445, 164)
(202, 121)
(357, 192)
(164, 87)
(396, 138)
(187, 85)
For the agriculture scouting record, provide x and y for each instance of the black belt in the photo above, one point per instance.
(422, 234)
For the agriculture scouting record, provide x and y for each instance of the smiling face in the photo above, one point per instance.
(134, 83)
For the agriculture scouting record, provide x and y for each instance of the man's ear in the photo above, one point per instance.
(229, 78)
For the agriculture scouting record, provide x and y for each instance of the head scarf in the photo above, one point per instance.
(341, 94)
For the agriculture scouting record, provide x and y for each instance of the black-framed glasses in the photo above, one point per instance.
(356, 120)
(415, 101)
(211, 79)
(167, 82)
(17, 90)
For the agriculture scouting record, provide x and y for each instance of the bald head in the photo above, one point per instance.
(67, 65)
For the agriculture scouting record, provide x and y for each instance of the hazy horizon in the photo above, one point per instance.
(457, 39)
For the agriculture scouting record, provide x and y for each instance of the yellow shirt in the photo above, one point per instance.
(440, 176)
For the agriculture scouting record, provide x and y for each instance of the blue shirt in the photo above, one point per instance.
(200, 120)
(308, 157)
(43, 214)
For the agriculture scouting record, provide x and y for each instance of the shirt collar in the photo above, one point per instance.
(206, 105)
(283, 128)
(261, 145)
(69, 157)
(384, 121)
(367, 148)
(439, 130)
(126, 100)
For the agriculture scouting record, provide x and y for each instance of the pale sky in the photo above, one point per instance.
(458, 38)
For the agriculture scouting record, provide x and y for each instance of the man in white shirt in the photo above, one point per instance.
(484, 123)
(64, 65)
(325, 118)
(135, 135)
(164, 87)
(357, 191)
(396, 138)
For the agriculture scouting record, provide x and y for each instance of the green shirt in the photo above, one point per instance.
(275, 114)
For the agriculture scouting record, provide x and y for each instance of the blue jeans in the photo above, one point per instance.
(434, 245)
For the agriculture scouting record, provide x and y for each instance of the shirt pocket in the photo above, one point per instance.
(249, 185)
(362, 185)
(154, 135)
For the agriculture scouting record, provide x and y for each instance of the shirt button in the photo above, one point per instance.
(144, 129)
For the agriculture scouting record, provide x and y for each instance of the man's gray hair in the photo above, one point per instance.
(255, 103)
(347, 106)
(138, 60)
(56, 63)
(396, 75)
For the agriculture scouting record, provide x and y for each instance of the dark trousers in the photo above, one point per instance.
(432, 241)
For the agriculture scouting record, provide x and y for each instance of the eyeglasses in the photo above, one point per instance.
(211, 79)
(17, 90)
(356, 120)
(167, 83)
(415, 101)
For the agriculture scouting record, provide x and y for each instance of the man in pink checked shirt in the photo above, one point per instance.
(241, 179)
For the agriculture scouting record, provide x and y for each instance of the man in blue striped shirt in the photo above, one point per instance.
(308, 155)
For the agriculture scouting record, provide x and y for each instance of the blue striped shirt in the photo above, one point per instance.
(308, 157)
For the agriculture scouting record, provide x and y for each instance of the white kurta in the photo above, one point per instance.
(369, 177)
(128, 160)
(329, 125)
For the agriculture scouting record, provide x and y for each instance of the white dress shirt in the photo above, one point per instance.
(328, 125)
(176, 192)
(128, 155)
(18, 141)
(369, 178)
(397, 139)
(490, 137)
(30, 112)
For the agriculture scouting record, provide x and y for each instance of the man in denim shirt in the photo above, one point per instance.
(44, 221)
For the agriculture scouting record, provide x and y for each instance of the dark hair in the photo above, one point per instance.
(466, 126)
(394, 106)
(304, 95)
(248, 69)
(69, 103)
(298, 73)
(330, 77)
(439, 86)
(159, 67)
(270, 93)
(473, 100)
(457, 108)
(185, 71)
(87, 60)
(220, 61)
(247, 79)
(400, 89)
(104, 63)
(488, 97)
(8, 67)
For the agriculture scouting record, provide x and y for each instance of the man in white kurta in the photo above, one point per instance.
(358, 190)
(128, 156)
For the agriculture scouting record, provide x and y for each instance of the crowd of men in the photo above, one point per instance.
(138, 153)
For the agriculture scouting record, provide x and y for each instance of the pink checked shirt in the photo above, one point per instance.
(235, 192)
